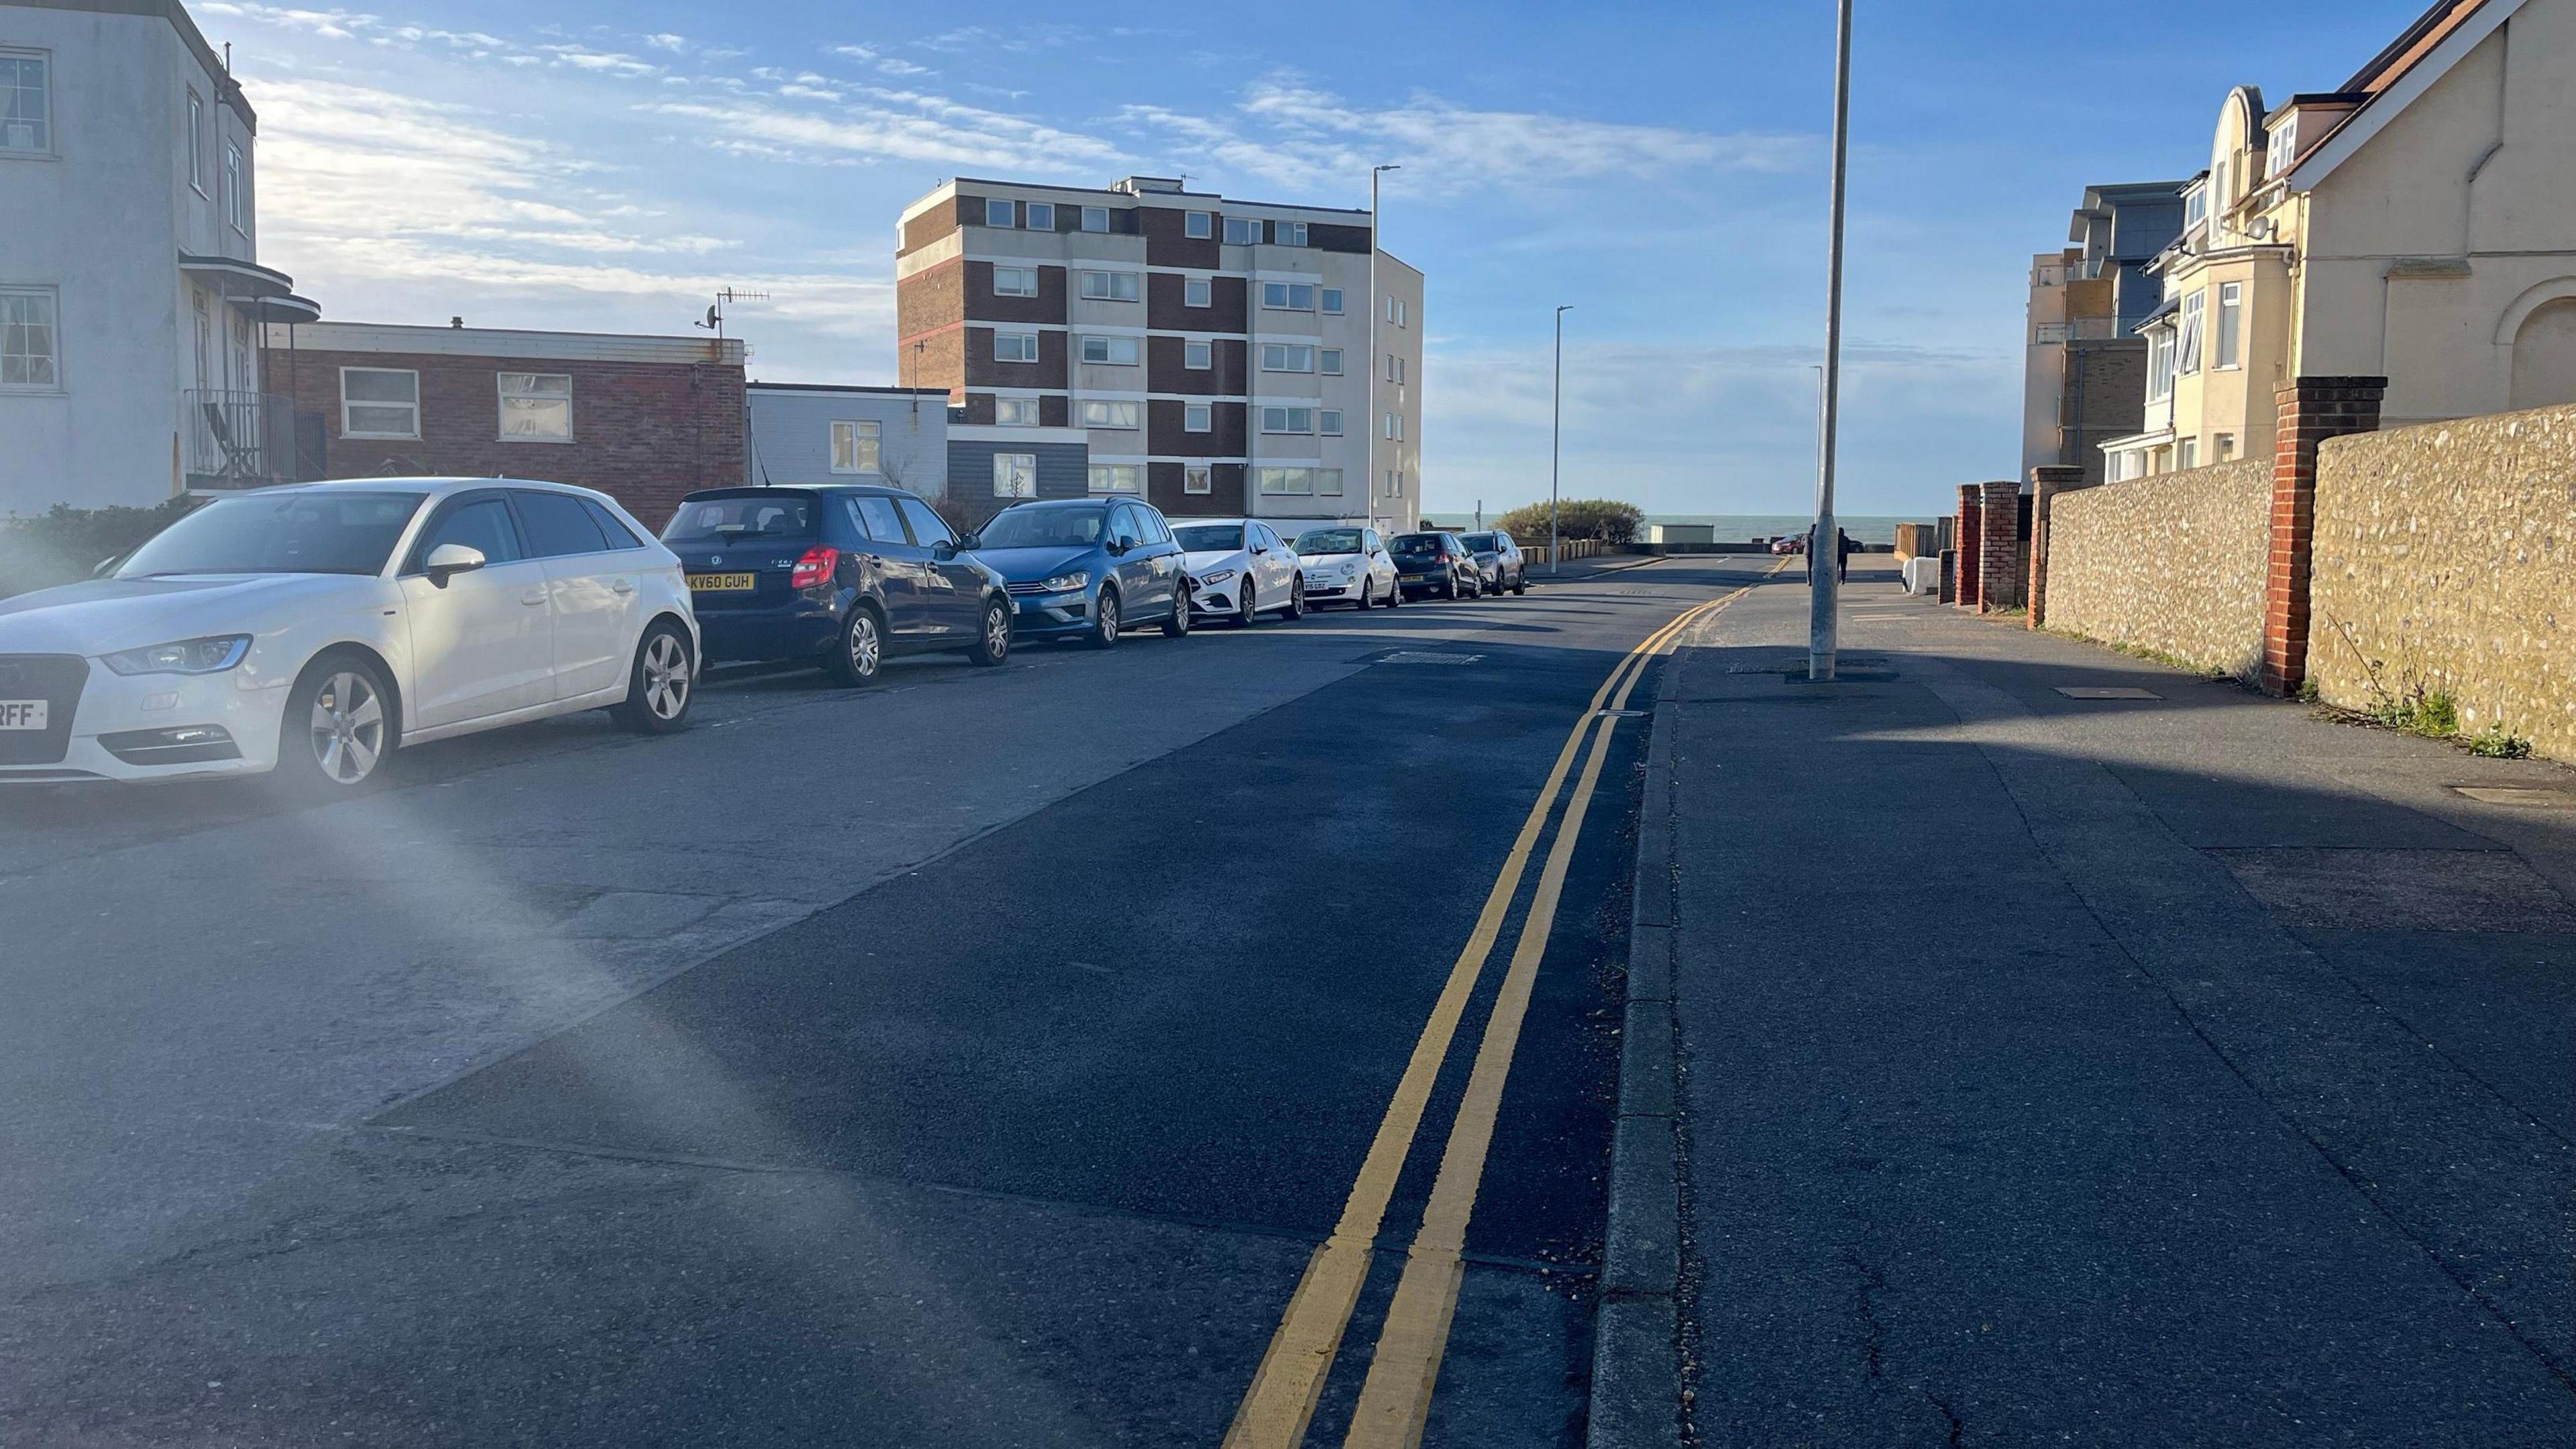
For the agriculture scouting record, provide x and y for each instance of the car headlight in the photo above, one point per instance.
(1215, 576)
(1065, 583)
(211, 655)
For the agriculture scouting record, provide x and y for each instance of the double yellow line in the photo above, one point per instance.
(1280, 1404)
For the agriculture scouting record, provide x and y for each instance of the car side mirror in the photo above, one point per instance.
(106, 566)
(944, 550)
(1115, 547)
(450, 559)
(970, 543)
(1261, 548)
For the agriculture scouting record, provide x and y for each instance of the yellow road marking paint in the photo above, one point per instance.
(1396, 1398)
(1280, 1403)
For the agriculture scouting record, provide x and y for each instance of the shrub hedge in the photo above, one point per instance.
(62, 544)
(1606, 519)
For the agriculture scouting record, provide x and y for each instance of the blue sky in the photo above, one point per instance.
(1662, 168)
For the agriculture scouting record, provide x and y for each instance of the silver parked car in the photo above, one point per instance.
(1500, 560)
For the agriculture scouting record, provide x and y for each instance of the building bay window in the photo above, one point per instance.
(1287, 420)
(1108, 413)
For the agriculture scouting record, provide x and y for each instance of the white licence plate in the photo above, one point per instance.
(22, 714)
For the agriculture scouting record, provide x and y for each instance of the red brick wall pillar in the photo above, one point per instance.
(1999, 524)
(2046, 482)
(2312, 409)
(1971, 505)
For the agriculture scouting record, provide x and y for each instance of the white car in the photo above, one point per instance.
(1239, 569)
(1348, 564)
(312, 629)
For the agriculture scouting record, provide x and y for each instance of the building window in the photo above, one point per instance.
(1198, 224)
(1395, 310)
(1101, 413)
(1394, 483)
(1198, 356)
(1015, 412)
(2187, 454)
(236, 211)
(854, 446)
(2194, 309)
(997, 212)
(1297, 482)
(1117, 478)
(1330, 360)
(1287, 357)
(245, 374)
(1288, 296)
(2231, 324)
(1095, 218)
(205, 340)
(1041, 216)
(379, 402)
(196, 140)
(1015, 347)
(1112, 286)
(1287, 420)
(1332, 297)
(1015, 475)
(2224, 445)
(2195, 208)
(1395, 427)
(1198, 292)
(1015, 281)
(1111, 351)
(30, 342)
(1197, 480)
(1241, 231)
(2283, 148)
(1198, 418)
(26, 103)
(1329, 422)
(536, 407)
(1289, 233)
(1328, 482)
(2160, 365)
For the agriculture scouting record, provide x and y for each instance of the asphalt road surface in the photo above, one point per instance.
(981, 1059)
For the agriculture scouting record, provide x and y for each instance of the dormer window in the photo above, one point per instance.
(2195, 208)
(2284, 149)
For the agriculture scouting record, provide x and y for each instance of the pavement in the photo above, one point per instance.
(2179, 1069)
(979, 1059)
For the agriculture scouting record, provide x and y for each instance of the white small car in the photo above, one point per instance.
(1240, 569)
(312, 629)
(1348, 564)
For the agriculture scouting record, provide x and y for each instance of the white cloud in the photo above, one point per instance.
(903, 125)
(330, 24)
(1287, 131)
(603, 62)
(676, 44)
(892, 66)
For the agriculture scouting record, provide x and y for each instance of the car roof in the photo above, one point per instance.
(435, 487)
(1218, 522)
(756, 490)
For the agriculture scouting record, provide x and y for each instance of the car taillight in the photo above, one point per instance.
(815, 569)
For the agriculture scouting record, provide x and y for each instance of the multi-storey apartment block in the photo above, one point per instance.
(1222, 357)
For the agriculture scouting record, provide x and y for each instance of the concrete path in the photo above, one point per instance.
(2169, 1070)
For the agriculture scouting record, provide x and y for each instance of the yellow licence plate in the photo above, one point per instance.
(723, 583)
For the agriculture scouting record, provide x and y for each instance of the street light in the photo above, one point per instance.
(1556, 438)
(1824, 595)
(1377, 310)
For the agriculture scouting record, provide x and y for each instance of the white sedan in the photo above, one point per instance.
(312, 629)
(1239, 569)
(1348, 564)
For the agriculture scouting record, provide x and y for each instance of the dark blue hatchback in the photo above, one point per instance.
(845, 577)
(1087, 568)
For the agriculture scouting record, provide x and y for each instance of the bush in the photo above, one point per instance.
(1606, 519)
(62, 544)
(2498, 743)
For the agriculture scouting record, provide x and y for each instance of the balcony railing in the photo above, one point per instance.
(240, 440)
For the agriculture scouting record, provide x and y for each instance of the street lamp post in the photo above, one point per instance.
(1377, 310)
(1824, 555)
(1556, 438)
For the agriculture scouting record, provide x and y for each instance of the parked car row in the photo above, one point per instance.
(309, 631)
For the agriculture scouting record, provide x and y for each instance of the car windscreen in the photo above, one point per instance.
(1417, 543)
(1328, 540)
(1210, 537)
(293, 533)
(1479, 542)
(1045, 527)
(732, 518)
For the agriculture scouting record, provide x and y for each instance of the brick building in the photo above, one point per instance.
(642, 419)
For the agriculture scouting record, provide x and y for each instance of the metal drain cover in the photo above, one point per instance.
(2086, 691)
(2531, 797)
(1423, 656)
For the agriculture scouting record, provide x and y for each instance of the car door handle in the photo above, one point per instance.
(622, 586)
(533, 597)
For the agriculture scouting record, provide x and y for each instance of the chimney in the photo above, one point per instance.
(456, 322)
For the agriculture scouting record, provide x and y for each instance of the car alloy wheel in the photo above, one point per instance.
(1245, 612)
(862, 648)
(1297, 599)
(1104, 630)
(994, 645)
(666, 677)
(348, 728)
(1177, 624)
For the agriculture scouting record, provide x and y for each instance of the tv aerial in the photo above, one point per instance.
(715, 319)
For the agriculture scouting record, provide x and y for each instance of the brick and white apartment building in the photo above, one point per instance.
(1221, 356)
